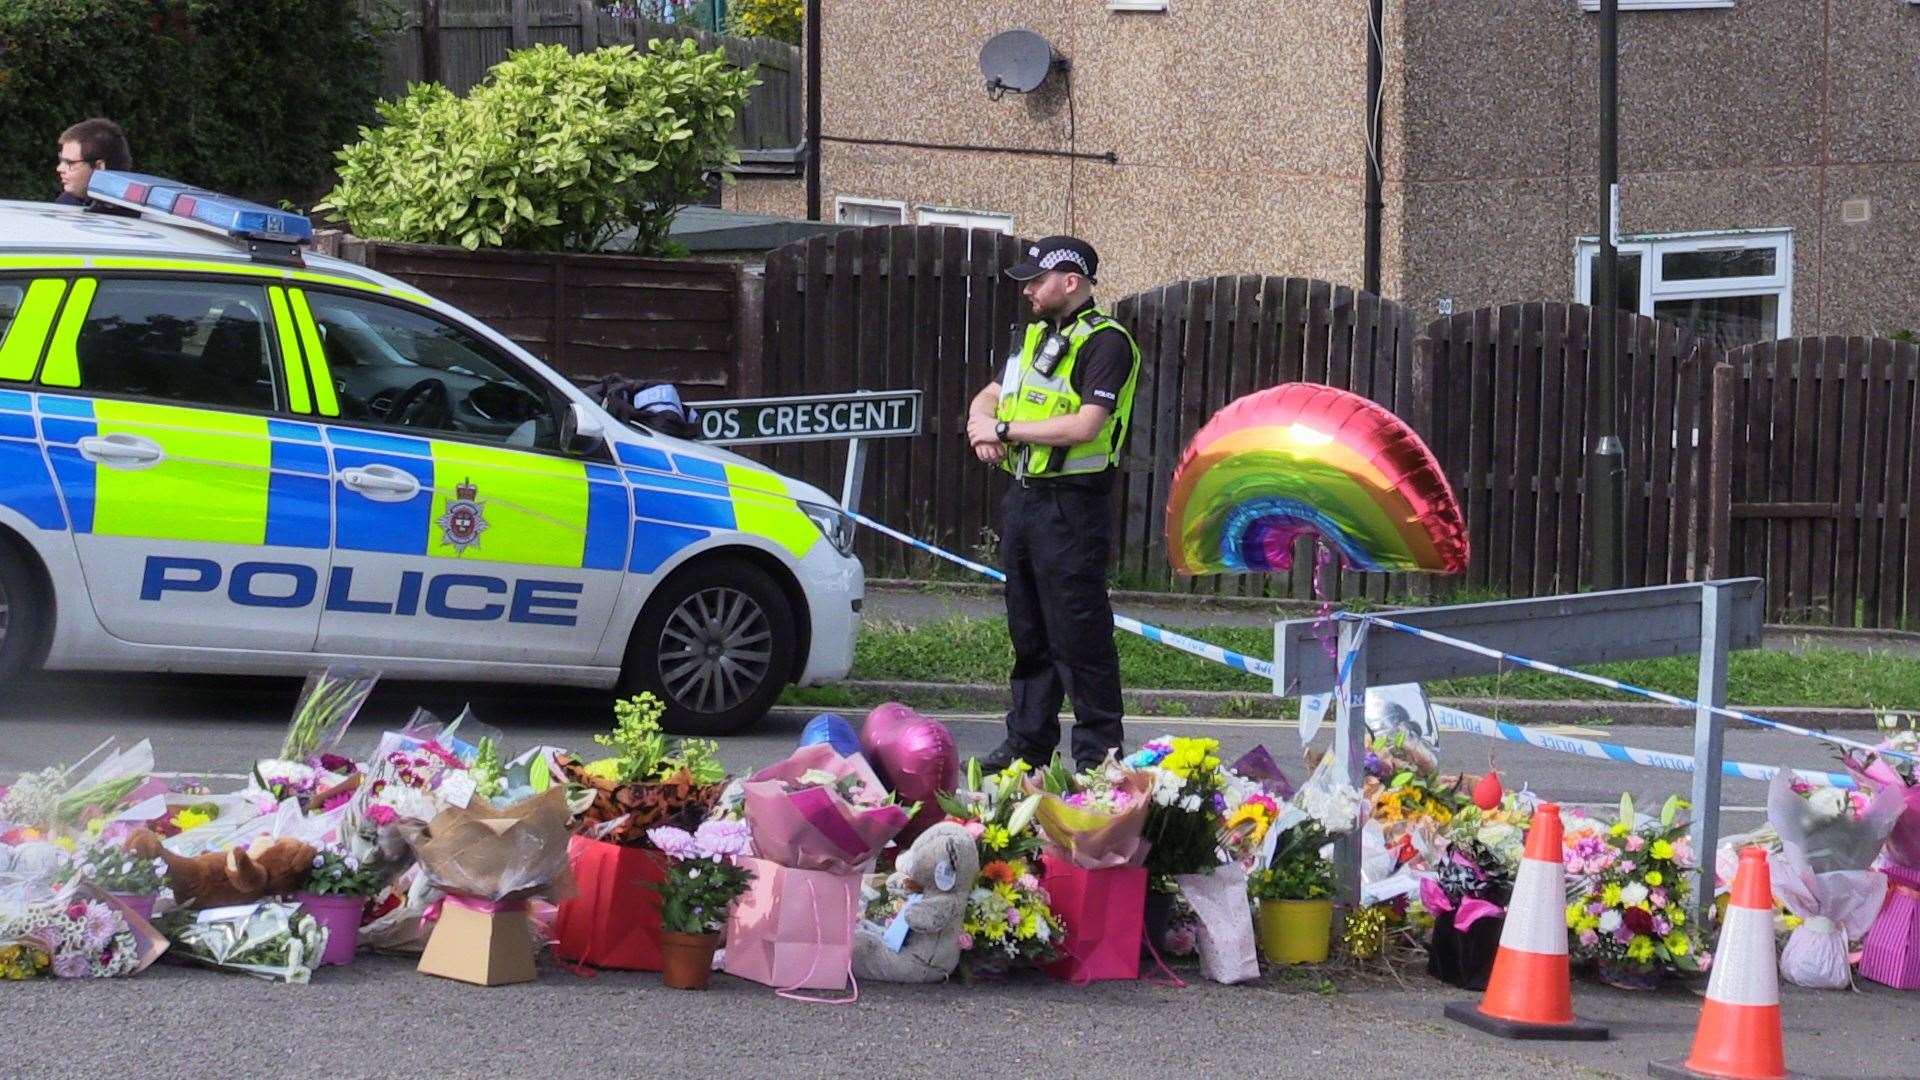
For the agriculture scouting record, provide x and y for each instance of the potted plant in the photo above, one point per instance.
(133, 881)
(336, 896)
(1295, 893)
(702, 883)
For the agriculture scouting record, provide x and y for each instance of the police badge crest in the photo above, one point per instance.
(465, 518)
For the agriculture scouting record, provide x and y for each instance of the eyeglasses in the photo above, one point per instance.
(72, 161)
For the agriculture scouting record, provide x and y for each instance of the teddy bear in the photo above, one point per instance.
(234, 876)
(922, 943)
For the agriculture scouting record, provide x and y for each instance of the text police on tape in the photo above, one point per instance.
(884, 415)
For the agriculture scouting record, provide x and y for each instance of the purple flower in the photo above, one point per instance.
(722, 838)
(1662, 926)
(70, 965)
(1659, 898)
(1588, 939)
(100, 925)
(674, 842)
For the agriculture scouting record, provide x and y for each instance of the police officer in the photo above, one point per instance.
(1056, 420)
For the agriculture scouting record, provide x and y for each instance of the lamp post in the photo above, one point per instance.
(1606, 458)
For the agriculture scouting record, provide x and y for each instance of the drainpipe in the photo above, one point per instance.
(1376, 206)
(813, 110)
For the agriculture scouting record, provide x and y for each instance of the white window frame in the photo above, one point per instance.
(1662, 5)
(1655, 287)
(966, 219)
(841, 203)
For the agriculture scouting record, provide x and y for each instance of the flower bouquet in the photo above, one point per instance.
(1470, 881)
(52, 802)
(1010, 920)
(1184, 808)
(80, 933)
(1094, 868)
(704, 878)
(489, 861)
(273, 941)
(1630, 887)
(817, 820)
(1891, 952)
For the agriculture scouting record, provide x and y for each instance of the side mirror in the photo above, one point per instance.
(581, 432)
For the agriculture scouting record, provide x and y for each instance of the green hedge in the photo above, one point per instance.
(250, 97)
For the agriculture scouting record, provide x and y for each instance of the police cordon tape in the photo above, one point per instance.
(1447, 718)
(1239, 661)
(1617, 685)
(1455, 719)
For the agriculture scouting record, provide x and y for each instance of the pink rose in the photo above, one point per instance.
(381, 814)
(966, 941)
(1588, 939)
(1659, 898)
(1029, 882)
(975, 829)
(1635, 841)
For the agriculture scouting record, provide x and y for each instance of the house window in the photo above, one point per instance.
(1658, 5)
(1731, 289)
(967, 219)
(852, 211)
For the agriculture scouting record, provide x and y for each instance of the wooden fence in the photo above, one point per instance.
(1824, 478)
(587, 315)
(1204, 343)
(454, 42)
(1512, 422)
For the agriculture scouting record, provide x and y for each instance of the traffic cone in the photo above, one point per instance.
(1739, 1035)
(1530, 993)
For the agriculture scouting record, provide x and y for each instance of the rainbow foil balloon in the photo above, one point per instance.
(1308, 459)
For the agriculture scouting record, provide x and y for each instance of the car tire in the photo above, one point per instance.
(716, 644)
(23, 614)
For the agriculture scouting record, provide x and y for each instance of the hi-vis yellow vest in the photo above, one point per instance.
(1026, 394)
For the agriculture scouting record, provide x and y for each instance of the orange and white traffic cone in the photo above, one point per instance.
(1530, 993)
(1739, 1036)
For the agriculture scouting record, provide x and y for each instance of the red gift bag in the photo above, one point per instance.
(1105, 912)
(614, 920)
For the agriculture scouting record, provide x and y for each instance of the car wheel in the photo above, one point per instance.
(23, 614)
(715, 644)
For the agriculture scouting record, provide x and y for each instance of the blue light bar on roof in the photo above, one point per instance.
(192, 205)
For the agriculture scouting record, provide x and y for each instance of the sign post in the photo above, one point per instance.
(857, 417)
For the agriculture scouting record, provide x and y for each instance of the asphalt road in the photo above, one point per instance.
(378, 1018)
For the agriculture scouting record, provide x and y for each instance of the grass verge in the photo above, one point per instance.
(970, 650)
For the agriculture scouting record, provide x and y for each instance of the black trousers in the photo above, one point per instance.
(1055, 545)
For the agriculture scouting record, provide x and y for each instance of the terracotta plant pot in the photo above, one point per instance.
(1296, 931)
(687, 959)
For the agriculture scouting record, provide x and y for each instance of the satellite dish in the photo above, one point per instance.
(1016, 60)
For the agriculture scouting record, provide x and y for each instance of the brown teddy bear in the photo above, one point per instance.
(234, 876)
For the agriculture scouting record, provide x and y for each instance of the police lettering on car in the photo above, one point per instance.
(222, 453)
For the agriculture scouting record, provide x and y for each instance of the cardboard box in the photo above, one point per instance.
(486, 948)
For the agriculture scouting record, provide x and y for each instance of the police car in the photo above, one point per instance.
(220, 453)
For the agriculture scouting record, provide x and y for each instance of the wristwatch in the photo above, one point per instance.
(1000, 431)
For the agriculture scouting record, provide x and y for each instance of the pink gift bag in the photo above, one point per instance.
(1105, 914)
(793, 929)
(1891, 952)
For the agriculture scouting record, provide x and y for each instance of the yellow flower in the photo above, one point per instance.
(1677, 917)
(1589, 922)
(1661, 850)
(1654, 877)
(1610, 895)
(1575, 912)
(1619, 829)
(1792, 922)
(1677, 944)
(1640, 949)
(190, 818)
(996, 836)
(65, 843)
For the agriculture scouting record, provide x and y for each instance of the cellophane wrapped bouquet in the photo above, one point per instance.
(1010, 921)
(1630, 887)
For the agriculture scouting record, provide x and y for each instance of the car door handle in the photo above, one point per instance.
(382, 483)
(121, 451)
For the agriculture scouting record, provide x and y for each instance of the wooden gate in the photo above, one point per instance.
(1825, 475)
(1512, 414)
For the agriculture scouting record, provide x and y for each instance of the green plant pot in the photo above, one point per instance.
(1296, 931)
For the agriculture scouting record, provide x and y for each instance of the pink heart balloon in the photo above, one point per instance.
(916, 757)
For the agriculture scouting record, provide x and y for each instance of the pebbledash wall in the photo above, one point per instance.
(1785, 130)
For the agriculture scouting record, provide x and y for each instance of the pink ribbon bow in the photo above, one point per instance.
(1471, 910)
